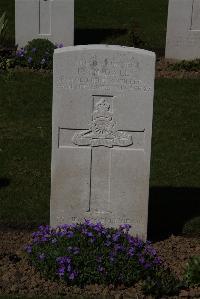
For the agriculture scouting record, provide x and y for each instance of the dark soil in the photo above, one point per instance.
(19, 278)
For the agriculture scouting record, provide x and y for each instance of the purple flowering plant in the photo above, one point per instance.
(86, 253)
(37, 54)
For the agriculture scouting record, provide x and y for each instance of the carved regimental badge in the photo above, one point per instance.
(102, 130)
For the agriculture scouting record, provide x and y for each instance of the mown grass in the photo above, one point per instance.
(102, 21)
(25, 143)
(147, 18)
(25, 148)
(176, 134)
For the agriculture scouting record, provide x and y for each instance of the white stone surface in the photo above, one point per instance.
(50, 19)
(101, 138)
(183, 29)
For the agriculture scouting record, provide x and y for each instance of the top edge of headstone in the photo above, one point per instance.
(104, 47)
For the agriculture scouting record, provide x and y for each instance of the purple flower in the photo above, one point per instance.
(41, 256)
(63, 226)
(147, 265)
(76, 250)
(131, 251)
(107, 243)
(63, 260)
(141, 260)
(72, 275)
(69, 234)
(84, 231)
(126, 227)
(28, 248)
(61, 233)
(116, 236)
(44, 239)
(88, 222)
(104, 231)
(148, 242)
(69, 268)
(20, 52)
(30, 59)
(36, 240)
(100, 269)
(61, 45)
(140, 243)
(98, 227)
(152, 251)
(73, 225)
(99, 258)
(119, 247)
(112, 259)
(33, 50)
(35, 234)
(89, 234)
(44, 228)
(157, 261)
(134, 241)
(112, 256)
(61, 271)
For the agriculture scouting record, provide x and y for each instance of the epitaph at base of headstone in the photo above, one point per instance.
(183, 30)
(49, 19)
(102, 124)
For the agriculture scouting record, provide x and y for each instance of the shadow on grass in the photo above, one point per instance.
(95, 36)
(4, 182)
(170, 209)
(124, 37)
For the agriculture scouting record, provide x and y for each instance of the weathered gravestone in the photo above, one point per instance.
(183, 29)
(102, 122)
(50, 19)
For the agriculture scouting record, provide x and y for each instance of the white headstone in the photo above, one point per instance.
(102, 123)
(183, 29)
(50, 19)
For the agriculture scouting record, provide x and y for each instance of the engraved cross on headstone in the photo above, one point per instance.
(195, 18)
(45, 17)
(101, 136)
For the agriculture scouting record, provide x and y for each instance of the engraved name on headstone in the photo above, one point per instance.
(50, 19)
(183, 29)
(102, 119)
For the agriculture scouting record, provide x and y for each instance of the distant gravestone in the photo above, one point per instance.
(50, 19)
(102, 123)
(183, 29)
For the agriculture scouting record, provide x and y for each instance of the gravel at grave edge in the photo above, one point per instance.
(19, 278)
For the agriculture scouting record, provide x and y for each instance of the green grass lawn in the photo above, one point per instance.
(25, 148)
(104, 21)
(25, 143)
